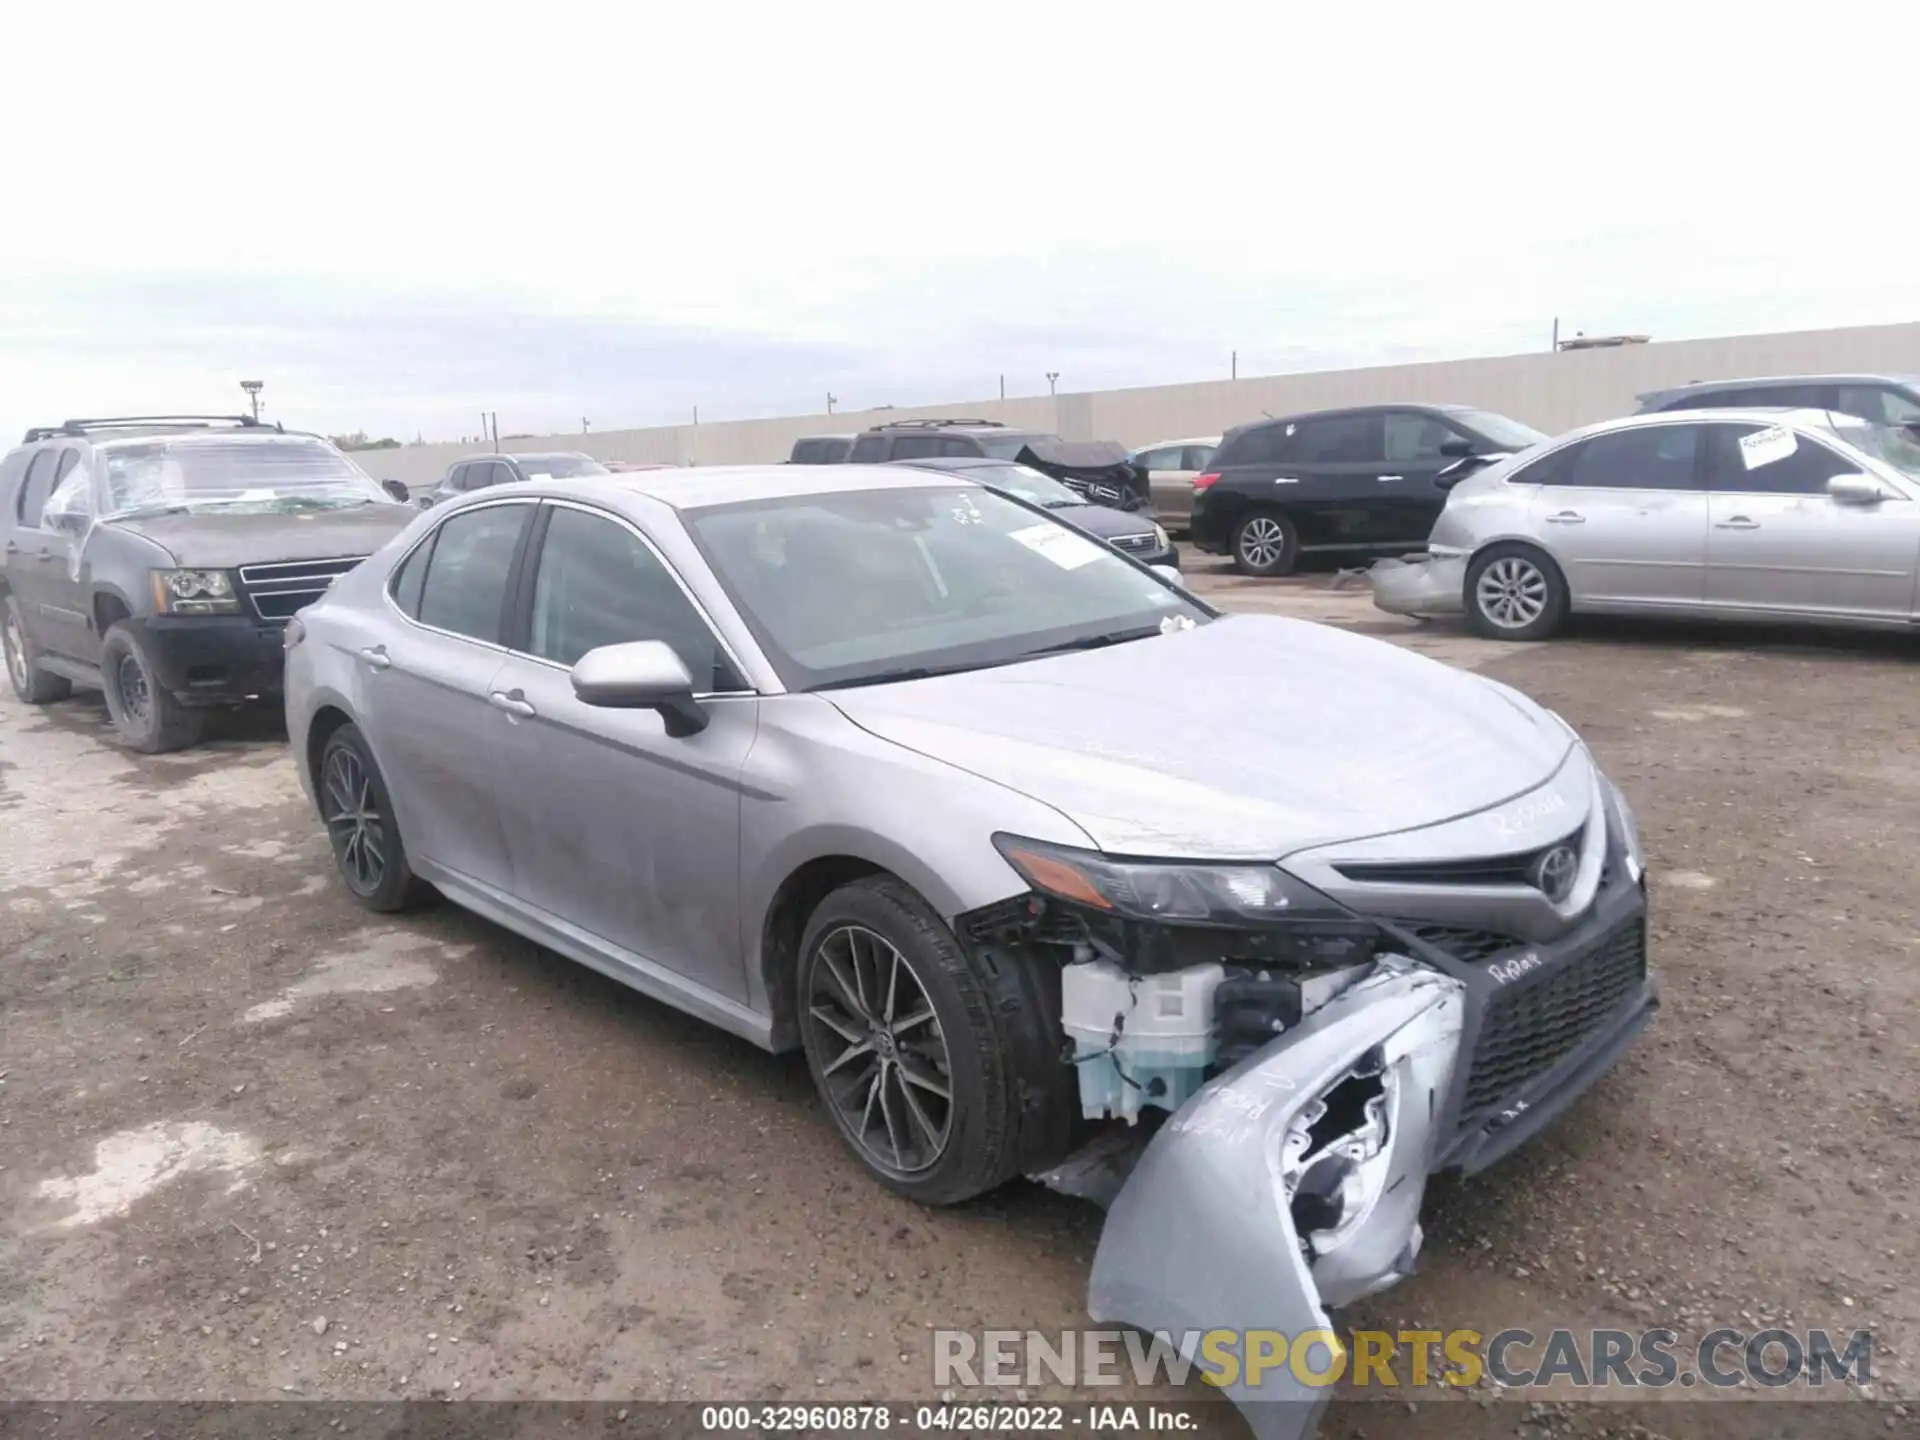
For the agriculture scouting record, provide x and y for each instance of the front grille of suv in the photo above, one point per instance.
(1134, 543)
(1492, 870)
(1528, 1028)
(1463, 943)
(277, 591)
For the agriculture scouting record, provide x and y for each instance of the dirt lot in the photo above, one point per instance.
(254, 1143)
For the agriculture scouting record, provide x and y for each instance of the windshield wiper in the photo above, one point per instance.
(1095, 642)
(908, 672)
(150, 512)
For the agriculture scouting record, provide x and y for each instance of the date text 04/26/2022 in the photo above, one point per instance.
(950, 1419)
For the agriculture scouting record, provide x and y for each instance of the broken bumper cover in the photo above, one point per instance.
(1426, 584)
(1290, 1184)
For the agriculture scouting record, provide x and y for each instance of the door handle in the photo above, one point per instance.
(46, 555)
(12, 549)
(1737, 522)
(514, 702)
(377, 657)
(1385, 478)
(1566, 517)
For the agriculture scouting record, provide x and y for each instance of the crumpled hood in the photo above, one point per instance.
(1102, 521)
(1247, 738)
(223, 542)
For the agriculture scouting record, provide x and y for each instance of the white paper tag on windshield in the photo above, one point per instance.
(1062, 546)
(1763, 447)
(539, 475)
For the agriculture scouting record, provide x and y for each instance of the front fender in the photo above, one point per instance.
(1206, 1234)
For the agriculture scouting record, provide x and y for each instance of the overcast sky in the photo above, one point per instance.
(399, 215)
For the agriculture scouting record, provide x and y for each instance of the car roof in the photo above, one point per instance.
(1800, 418)
(194, 435)
(694, 489)
(958, 462)
(1179, 440)
(834, 435)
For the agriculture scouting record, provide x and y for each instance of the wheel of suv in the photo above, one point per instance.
(32, 684)
(943, 1076)
(367, 849)
(1514, 592)
(1264, 543)
(144, 711)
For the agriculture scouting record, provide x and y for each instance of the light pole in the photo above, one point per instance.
(832, 400)
(1052, 377)
(253, 389)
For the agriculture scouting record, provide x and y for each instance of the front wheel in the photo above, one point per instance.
(1514, 592)
(1264, 543)
(145, 713)
(943, 1077)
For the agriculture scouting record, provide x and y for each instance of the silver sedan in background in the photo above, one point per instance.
(1728, 514)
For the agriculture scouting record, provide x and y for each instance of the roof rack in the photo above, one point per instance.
(937, 424)
(129, 422)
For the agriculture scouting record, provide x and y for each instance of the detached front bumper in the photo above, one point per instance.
(1420, 585)
(1290, 1184)
(215, 659)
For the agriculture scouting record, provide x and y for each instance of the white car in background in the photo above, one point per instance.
(1171, 467)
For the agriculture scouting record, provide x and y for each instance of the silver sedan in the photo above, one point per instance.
(1009, 834)
(1728, 514)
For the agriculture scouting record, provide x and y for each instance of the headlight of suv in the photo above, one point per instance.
(194, 592)
(1154, 911)
(1160, 539)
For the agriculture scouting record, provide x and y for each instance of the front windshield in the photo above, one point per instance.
(256, 473)
(1507, 433)
(1008, 447)
(1025, 483)
(560, 467)
(852, 587)
(1895, 445)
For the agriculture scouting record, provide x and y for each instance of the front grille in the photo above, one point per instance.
(1530, 1028)
(1488, 870)
(1135, 543)
(278, 590)
(1464, 944)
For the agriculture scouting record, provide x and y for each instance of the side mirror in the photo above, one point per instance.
(1456, 449)
(640, 675)
(1856, 490)
(396, 490)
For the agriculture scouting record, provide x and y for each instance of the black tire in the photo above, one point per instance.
(1011, 1101)
(349, 785)
(1514, 591)
(1265, 543)
(32, 684)
(145, 713)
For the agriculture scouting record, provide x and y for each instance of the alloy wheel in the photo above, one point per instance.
(882, 1055)
(16, 652)
(1512, 592)
(1262, 542)
(136, 698)
(353, 821)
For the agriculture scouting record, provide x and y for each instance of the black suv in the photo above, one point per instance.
(1096, 470)
(1880, 399)
(159, 559)
(477, 472)
(1365, 481)
(820, 450)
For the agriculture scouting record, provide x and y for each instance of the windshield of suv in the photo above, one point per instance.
(862, 587)
(1026, 483)
(1507, 433)
(259, 474)
(1007, 447)
(560, 467)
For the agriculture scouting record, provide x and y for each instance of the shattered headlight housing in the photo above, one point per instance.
(1167, 914)
(1333, 1158)
(194, 592)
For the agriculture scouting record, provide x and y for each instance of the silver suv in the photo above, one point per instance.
(1012, 836)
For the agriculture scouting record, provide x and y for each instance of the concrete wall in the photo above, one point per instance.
(1550, 391)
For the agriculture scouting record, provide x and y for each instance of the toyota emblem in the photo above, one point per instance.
(1553, 873)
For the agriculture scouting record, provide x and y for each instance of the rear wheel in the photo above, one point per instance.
(144, 711)
(1264, 543)
(32, 684)
(367, 849)
(1514, 592)
(941, 1073)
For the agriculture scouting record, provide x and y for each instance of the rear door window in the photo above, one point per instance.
(37, 486)
(868, 449)
(1197, 457)
(1341, 440)
(1648, 457)
(465, 587)
(918, 447)
(1773, 460)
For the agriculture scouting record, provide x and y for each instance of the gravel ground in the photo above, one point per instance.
(255, 1143)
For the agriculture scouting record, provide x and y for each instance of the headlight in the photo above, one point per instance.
(1629, 833)
(1160, 539)
(1167, 891)
(194, 592)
